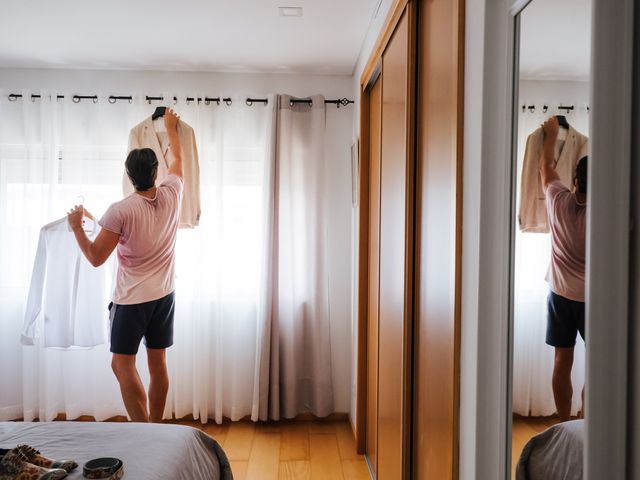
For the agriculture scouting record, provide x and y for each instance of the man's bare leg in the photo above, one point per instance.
(131, 388)
(562, 388)
(159, 384)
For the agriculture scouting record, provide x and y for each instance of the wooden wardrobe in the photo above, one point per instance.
(410, 243)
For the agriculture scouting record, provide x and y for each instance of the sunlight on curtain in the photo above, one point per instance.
(219, 266)
(532, 357)
(52, 154)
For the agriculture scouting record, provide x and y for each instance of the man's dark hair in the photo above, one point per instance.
(581, 174)
(142, 168)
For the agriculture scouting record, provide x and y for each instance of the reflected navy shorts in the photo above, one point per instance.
(152, 321)
(565, 318)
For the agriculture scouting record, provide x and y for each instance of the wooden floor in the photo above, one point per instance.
(288, 450)
(523, 429)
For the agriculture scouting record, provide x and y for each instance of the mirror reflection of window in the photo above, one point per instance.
(550, 222)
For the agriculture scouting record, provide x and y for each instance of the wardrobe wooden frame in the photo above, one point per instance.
(438, 315)
(367, 79)
(369, 76)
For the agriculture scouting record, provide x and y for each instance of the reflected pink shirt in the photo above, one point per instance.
(567, 222)
(146, 249)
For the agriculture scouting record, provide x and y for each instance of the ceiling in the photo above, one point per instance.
(555, 40)
(190, 35)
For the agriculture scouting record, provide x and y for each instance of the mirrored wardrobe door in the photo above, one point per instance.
(551, 134)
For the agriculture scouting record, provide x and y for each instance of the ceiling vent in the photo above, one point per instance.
(290, 11)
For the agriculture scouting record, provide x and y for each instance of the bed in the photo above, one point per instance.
(148, 451)
(555, 454)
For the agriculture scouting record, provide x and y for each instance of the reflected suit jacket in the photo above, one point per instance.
(532, 215)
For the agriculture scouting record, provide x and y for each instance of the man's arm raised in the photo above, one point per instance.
(171, 123)
(548, 158)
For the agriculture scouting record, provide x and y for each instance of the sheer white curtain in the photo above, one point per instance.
(532, 357)
(52, 152)
(227, 292)
(220, 266)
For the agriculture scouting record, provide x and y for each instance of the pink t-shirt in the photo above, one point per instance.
(147, 229)
(567, 222)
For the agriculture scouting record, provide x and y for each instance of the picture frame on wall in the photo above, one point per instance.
(355, 172)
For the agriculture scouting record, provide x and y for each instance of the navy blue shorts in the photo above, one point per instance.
(565, 319)
(152, 321)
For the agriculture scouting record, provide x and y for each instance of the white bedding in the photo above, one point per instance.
(555, 454)
(148, 451)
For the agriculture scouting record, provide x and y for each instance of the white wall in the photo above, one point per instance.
(472, 171)
(339, 135)
(131, 81)
(554, 93)
(375, 27)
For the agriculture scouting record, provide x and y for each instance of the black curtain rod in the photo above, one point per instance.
(207, 100)
(14, 96)
(76, 98)
(545, 108)
(338, 102)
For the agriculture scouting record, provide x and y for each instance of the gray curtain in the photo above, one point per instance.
(293, 365)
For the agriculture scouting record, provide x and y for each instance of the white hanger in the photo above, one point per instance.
(88, 222)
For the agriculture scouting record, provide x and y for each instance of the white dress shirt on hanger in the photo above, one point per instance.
(68, 297)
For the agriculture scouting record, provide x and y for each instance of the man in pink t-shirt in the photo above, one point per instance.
(143, 226)
(566, 211)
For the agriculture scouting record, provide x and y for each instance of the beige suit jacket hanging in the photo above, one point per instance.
(144, 135)
(533, 211)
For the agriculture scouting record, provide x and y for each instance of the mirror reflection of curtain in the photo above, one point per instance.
(532, 357)
(51, 152)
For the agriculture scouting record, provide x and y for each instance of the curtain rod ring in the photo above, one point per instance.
(76, 99)
(112, 99)
(175, 100)
(228, 102)
(249, 102)
(13, 97)
(95, 99)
